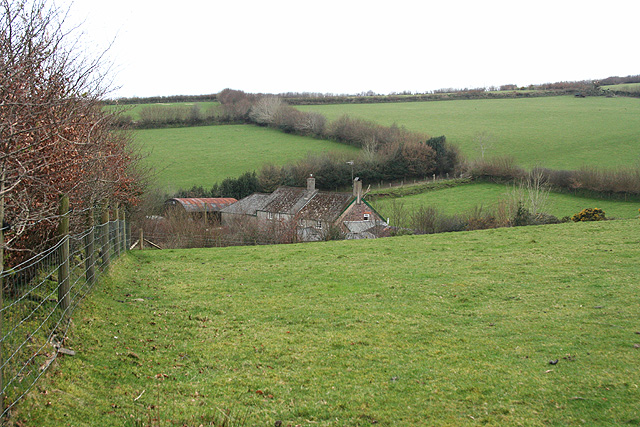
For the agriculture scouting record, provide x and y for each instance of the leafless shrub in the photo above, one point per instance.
(503, 168)
(265, 110)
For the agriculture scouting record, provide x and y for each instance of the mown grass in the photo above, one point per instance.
(204, 155)
(449, 329)
(561, 132)
(467, 196)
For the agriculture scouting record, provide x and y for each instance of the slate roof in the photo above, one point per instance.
(295, 201)
(201, 204)
(325, 206)
(289, 200)
(249, 205)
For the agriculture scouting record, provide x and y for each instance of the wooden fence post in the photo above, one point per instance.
(123, 231)
(127, 231)
(117, 243)
(90, 255)
(141, 241)
(105, 235)
(63, 270)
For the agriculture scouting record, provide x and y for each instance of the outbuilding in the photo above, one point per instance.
(208, 208)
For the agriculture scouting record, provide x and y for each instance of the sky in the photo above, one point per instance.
(192, 47)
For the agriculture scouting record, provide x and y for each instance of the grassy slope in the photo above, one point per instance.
(624, 87)
(208, 154)
(450, 329)
(556, 132)
(465, 197)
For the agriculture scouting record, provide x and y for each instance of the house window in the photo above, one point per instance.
(367, 216)
(319, 225)
(269, 215)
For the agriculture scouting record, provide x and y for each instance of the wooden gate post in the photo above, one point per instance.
(63, 271)
(105, 235)
(90, 255)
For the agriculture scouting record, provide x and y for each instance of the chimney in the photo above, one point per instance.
(311, 183)
(357, 190)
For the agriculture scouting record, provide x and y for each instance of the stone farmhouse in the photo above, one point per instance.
(315, 212)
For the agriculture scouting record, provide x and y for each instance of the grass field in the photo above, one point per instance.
(203, 155)
(625, 87)
(134, 110)
(463, 198)
(440, 330)
(556, 132)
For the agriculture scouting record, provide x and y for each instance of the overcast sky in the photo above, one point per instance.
(351, 46)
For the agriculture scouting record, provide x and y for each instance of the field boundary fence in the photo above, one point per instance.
(39, 296)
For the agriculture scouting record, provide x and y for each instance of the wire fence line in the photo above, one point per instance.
(39, 296)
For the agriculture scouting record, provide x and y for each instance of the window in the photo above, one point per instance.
(269, 215)
(367, 216)
(319, 225)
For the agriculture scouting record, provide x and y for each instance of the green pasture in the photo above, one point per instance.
(464, 198)
(134, 110)
(203, 155)
(560, 132)
(452, 329)
(624, 87)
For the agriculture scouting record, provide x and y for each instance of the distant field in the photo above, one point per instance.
(203, 155)
(556, 132)
(453, 329)
(625, 87)
(134, 110)
(463, 198)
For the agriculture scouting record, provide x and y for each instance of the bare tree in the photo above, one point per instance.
(484, 141)
(265, 111)
(55, 137)
(531, 193)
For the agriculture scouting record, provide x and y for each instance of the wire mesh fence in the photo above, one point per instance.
(38, 299)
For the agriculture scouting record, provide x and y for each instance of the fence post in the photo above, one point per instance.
(90, 255)
(127, 231)
(105, 235)
(117, 245)
(141, 238)
(63, 270)
(123, 231)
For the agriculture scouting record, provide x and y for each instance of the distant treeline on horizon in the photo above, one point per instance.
(370, 96)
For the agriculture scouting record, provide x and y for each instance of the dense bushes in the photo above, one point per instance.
(237, 188)
(589, 214)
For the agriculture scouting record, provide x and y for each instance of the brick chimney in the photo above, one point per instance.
(311, 183)
(357, 190)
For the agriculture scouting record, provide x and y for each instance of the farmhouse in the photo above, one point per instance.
(208, 208)
(315, 213)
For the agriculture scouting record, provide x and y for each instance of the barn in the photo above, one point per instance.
(208, 208)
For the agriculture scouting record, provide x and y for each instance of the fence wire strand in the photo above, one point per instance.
(34, 320)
